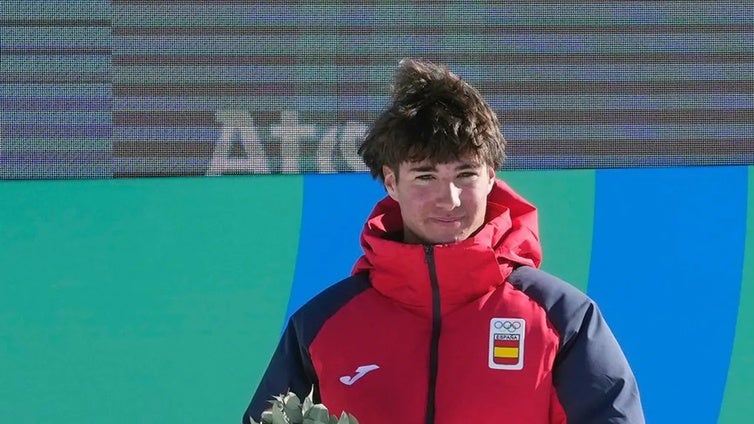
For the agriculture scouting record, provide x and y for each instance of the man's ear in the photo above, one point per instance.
(492, 174)
(390, 181)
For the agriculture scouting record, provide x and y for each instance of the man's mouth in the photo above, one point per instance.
(448, 220)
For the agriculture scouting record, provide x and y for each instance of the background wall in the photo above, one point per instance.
(160, 300)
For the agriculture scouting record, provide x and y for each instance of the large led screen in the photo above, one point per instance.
(99, 89)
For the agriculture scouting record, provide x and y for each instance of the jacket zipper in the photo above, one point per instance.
(435, 340)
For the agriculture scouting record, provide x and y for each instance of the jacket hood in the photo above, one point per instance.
(466, 270)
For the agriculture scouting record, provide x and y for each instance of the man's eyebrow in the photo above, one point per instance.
(468, 165)
(433, 168)
(423, 168)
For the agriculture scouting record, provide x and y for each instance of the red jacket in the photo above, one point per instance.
(469, 332)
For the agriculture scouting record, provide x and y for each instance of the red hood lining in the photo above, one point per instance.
(466, 270)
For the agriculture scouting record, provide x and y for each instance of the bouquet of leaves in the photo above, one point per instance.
(288, 409)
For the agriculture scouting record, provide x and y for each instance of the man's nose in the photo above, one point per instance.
(449, 196)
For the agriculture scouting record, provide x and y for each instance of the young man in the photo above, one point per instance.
(446, 318)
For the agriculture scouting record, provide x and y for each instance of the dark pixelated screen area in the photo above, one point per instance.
(101, 89)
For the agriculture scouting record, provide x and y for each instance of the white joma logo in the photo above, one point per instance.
(360, 372)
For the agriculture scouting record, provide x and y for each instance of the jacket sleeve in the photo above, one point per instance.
(290, 369)
(593, 381)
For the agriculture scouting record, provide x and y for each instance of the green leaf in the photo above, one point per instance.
(346, 418)
(292, 400)
(292, 408)
(319, 413)
(308, 403)
(266, 417)
(278, 417)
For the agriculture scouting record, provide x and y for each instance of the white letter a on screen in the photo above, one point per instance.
(238, 124)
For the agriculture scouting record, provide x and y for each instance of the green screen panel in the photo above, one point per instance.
(737, 406)
(152, 300)
(565, 202)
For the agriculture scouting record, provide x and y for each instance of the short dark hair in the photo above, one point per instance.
(435, 115)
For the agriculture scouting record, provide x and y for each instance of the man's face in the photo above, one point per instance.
(443, 203)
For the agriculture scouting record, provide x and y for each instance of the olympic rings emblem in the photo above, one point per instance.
(511, 326)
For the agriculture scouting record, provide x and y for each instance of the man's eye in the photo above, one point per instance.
(425, 177)
(467, 174)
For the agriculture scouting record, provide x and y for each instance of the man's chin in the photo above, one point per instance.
(449, 239)
(436, 238)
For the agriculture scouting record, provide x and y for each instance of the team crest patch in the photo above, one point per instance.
(507, 343)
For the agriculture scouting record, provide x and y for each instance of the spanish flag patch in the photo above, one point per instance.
(506, 348)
